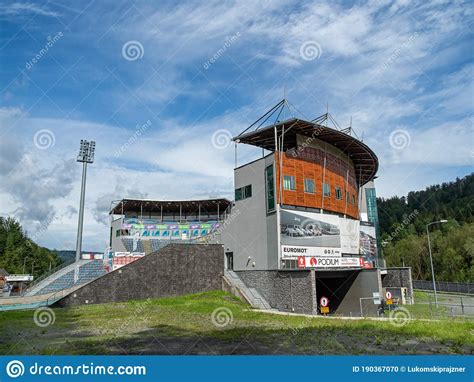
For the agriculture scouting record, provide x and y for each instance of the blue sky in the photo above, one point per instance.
(162, 85)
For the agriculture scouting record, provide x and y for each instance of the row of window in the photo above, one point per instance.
(243, 192)
(289, 183)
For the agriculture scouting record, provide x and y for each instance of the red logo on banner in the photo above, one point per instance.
(301, 263)
(313, 262)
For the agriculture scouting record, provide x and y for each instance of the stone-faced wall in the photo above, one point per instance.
(175, 270)
(397, 278)
(284, 290)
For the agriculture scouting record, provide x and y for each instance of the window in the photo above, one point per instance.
(309, 186)
(243, 192)
(290, 264)
(326, 189)
(117, 233)
(238, 194)
(353, 199)
(248, 191)
(338, 193)
(348, 197)
(270, 188)
(289, 182)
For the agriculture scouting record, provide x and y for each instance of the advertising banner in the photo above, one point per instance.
(315, 234)
(291, 251)
(350, 230)
(329, 262)
(171, 231)
(123, 258)
(170, 226)
(368, 243)
(11, 278)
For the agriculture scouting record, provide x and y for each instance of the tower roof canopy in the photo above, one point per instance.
(364, 159)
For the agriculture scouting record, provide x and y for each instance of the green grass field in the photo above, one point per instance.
(194, 324)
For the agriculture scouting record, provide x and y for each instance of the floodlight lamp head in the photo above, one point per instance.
(86, 151)
(91, 152)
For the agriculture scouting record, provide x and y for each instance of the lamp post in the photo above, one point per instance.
(431, 257)
(24, 264)
(86, 155)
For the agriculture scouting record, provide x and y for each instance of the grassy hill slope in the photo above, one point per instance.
(218, 323)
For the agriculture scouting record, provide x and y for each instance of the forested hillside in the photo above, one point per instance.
(403, 223)
(19, 254)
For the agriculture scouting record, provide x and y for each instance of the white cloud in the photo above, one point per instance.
(16, 9)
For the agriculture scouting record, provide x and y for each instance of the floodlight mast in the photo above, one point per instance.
(86, 155)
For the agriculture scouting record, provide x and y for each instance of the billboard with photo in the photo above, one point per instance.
(314, 234)
(368, 242)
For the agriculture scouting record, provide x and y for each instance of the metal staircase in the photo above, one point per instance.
(250, 295)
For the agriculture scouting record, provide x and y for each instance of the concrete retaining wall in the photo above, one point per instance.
(175, 270)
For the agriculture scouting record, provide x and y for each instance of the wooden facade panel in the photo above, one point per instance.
(303, 169)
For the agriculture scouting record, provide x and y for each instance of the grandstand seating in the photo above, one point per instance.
(128, 243)
(158, 244)
(88, 271)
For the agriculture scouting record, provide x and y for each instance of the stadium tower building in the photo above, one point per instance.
(301, 231)
(295, 233)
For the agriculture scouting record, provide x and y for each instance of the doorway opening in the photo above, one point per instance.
(229, 260)
(334, 285)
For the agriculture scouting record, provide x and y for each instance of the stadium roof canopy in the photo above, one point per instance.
(364, 159)
(129, 206)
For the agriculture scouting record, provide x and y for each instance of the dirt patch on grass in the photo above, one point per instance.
(238, 341)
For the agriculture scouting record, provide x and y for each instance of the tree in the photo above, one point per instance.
(19, 254)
